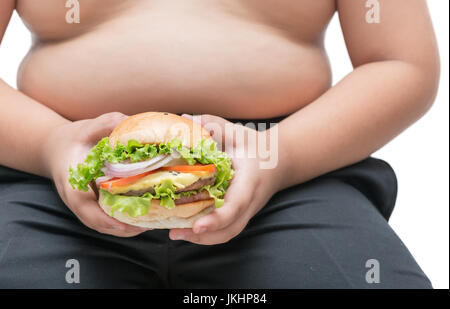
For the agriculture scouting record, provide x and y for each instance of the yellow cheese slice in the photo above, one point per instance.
(179, 180)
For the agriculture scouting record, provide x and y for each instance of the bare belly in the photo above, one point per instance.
(172, 61)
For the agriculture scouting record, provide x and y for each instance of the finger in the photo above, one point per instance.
(205, 119)
(212, 238)
(222, 235)
(87, 209)
(236, 201)
(222, 217)
(216, 126)
(180, 233)
(103, 125)
(187, 116)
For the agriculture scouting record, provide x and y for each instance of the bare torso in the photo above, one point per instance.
(233, 58)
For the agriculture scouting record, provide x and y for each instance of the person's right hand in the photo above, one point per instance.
(67, 146)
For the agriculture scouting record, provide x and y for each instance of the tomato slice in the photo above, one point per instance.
(121, 182)
(191, 168)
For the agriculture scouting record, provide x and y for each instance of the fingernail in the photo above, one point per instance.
(201, 230)
(143, 229)
(118, 227)
(178, 237)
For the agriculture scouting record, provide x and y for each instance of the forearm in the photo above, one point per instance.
(24, 127)
(352, 120)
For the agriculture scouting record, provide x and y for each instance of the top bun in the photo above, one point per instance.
(158, 128)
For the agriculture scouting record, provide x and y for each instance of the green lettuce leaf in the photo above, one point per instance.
(139, 205)
(208, 153)
(133, 205)
(166, 193)
(83, 174)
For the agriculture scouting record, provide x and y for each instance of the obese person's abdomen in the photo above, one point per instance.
(176, 63)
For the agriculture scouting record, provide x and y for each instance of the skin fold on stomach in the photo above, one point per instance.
(231, 68)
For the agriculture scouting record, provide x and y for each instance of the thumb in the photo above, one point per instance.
(103, 125)
(215, 125)
(206, 119)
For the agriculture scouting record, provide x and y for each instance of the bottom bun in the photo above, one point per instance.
(159, 217)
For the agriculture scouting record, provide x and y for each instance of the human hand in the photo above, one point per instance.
(67, 146)
(248, 192)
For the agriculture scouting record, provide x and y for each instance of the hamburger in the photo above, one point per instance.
(156, 170)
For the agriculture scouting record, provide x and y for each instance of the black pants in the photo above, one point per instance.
(316, 235)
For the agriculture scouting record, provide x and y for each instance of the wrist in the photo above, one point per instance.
(49, 148)
(282, 166)
(272, 161)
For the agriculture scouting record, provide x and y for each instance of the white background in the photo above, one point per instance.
(420, 156)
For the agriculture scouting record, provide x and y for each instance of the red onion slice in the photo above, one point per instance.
(132, 171)
(158, 164)
(99, 180)
(128, 167)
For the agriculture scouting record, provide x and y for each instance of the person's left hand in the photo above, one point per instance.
(250, 188)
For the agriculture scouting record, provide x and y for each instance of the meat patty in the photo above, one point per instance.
(201, 196)
(199, 184)
(195, 186)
